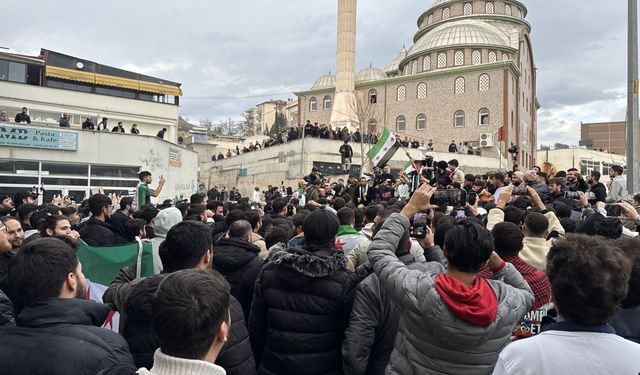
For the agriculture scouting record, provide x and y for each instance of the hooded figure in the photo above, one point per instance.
(165, 220)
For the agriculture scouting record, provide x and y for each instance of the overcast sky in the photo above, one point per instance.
(232, 55)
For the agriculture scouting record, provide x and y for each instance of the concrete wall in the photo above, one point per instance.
(273, 165)
(573, 157)
(147, 152)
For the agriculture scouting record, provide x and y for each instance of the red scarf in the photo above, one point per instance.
(476, 305)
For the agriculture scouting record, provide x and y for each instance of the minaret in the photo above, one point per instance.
(344, 103)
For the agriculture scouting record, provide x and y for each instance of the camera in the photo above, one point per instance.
(419, 225)
(449, 197)
(519, 190)
(571, 195)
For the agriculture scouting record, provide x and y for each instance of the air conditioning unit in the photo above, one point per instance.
(486, 140)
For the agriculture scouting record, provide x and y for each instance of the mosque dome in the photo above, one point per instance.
(394, 65)
(460, 33)
(326, 81)
(370, 74)
(439, 2)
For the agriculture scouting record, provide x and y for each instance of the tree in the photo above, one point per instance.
(364, 110)
(230, 128)
(249, 123)
(208, 124)
(279, 124)
(560, 146)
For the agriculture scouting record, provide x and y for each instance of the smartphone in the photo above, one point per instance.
(473, 197)
(571, 195)
(460, 214)
(613, 210)
(519, 190)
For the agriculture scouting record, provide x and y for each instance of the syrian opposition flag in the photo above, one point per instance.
(101, 265)
(410, 167)
(384, 150)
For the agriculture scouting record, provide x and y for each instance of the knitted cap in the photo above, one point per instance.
(320, 227)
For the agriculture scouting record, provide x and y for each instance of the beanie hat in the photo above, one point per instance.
(442, 164)
(530, 176)
(320, 227)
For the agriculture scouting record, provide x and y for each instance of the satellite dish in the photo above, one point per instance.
(79, 65)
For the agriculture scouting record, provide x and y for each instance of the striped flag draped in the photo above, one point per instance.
(384, 150)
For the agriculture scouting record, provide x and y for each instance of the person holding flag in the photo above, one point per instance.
(383, 151)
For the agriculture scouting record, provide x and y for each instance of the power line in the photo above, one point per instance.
(234, 97)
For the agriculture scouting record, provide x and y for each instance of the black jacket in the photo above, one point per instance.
(118, 221)
(600, 191)
(236, 356)
(6, 312)
(299, 312)
(99, 233)
(627, 324)
(61, 336)
(368, 197)
(346, 152)
(278, 219)
(237, 260)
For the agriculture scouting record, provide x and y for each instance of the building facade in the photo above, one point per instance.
(53, 83)
(469, 73)
(605, 136)
(582, 159)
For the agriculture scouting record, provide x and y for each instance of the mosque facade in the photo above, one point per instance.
(469, 77)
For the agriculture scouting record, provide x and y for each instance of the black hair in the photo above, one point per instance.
(589, 278)
(37, 218)
(454, 162)
(147, 214)
(618, 169)
(25, 210)
(298, 218)
(197, 198)
(507, 239)
(277, 234)
(50, 222)
(609, 228)
(346, 216)
(186, 243)
(133, 227)
(38, 271)
(183, 207)
(278, 205)
(253, 217)
(234, 215)
(371, 212)
(68, 211)
(513, 215)
(537, 224)
(631, 247)
(468, 246)
(125, 201)
(144, 174)
(338, 203)
(358, 216)
(97, 202)
(596, 175)
(187, 311)
(569, 225)
(239, 229)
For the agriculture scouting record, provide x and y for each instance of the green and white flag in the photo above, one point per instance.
(101, 265)
(384, 150)
(410, 167)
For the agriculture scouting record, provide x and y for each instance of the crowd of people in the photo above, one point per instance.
(88, 124)
(434, 271)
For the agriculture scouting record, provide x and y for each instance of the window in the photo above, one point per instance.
(401, 124)
(507, 10)
(402, 93)
(489, 8)
(373, 96)
(442, 60)
(373, 126)
(119, 172)
(414, 67)
(492, 57)
(422, 90)
(326, 103)
(588, 166)
(505, 57)
(313, 104)
(430, 19)
(459, 58)
(445, 14)
(458, 119)
(421, 122)
(468, 9)
(17, 72)
(483, 117)
(476, 58)
(4, 70)
(459, 85)
(483, 82)
(426, 63)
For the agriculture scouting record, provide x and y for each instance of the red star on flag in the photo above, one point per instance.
(377, 158)
(392, 139)
(340, 245)
(385, 149)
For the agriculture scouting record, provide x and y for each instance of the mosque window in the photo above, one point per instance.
(489, 8)
(422, 90)
(442, 60)
(326, 102)
(459, 58)
(414, 67)
(493, 57)
(505, 57)
(459, 85)
(458, 119)
(402, 93)
(483, 117)
(507, 10)
(476, 58)
(430, 19)
(373, 125)
(483, 82)
(426, 63)
(373, 96)
(445, 13)
(421, 122)
(468, 9)
(313, 104)
(401, 124)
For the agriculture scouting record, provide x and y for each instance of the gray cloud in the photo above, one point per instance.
(240, 53)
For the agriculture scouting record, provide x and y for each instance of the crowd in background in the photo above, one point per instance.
(523, 272)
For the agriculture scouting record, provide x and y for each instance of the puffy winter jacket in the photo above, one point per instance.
(236, 356)
(300, 311)
(373, 325)
(237, 260)
(61, 336)
(6, 311)
(431, 340)
(99, 233)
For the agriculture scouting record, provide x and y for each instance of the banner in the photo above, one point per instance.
(31, 137)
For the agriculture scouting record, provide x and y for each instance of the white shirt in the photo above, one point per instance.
(256, 196)
(567, 353)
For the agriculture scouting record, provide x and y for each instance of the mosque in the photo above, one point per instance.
(469, 76)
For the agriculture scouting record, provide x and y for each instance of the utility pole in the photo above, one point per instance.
(633, 149)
